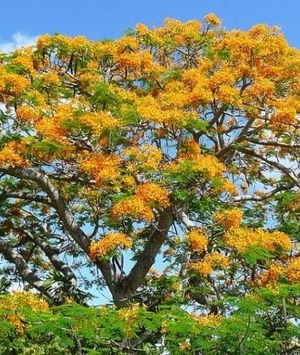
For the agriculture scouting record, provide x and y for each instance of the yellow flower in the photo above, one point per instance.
(27, 113)
(210, 262)
(9, 155)
(293, 270)
(229, 219)
(14, 304)
(100, 248)
(151, 192)
(197, 240)
(133, 207)
(130, 316)
(217, 260)
(141, 29)
(13, 84)
(272, 275)
(212, 20)
(145, 157)
(101, 167)
(243, 238)
(209, 320)
(44, 41)
(203, 268)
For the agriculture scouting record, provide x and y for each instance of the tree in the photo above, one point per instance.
(178, 144)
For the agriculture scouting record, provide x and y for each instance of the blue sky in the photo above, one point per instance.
(23, 20)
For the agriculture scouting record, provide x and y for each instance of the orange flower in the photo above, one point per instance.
(10, 157)
(27, 113)
(14, 304)
(243, 238)
(101, 167)
(272, 275)
(197, 240)
(153, 193)
(203, 268)
(229, 219)
(210, 262)
(133, 207)
(212, 20)
(141, 29)
(190, 149)
(293, 270)
(100, 248)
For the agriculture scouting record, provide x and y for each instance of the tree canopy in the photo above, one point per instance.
(161, 168)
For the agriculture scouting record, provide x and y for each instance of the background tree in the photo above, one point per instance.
(180, 144)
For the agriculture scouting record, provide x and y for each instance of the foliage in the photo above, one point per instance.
(176, 145)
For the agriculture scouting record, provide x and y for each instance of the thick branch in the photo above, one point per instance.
(23, 269)
(128, 285)
(24, 196)
(64, 213)
(224, 151)
(52, 255)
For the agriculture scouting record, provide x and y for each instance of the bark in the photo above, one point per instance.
(22, 267)
(286, 171)
(52, 255)
(65, 215)
(127, 286)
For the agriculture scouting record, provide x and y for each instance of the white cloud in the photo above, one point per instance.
(17, 40)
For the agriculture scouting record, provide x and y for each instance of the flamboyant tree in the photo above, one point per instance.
(176, 148)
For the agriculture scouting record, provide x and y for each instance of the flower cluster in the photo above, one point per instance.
(229, 218)
(272, 275)
(102, 247)
(14, 304)
(145, 157)
(243, 238)
(140, 205)
(13, 84)
(293, 270)
(212, 20)
(153, 194)
(189, 149)
(130, 316)
(210, 262)
(209, 320)
(99, 122)
(133, 207)
(101, 167)
(23, 58)
(9, 156)
(27, 113)
(206, 164)
(288, 270)
(197, 241)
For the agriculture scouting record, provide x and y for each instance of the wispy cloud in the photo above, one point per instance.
(17, 40)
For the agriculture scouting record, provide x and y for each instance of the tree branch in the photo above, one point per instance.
(274, 144)
(264, 197)
(22, 267)
(272, 163)
(128, 285)
(24, 196)
(64, 213)
(52, 255)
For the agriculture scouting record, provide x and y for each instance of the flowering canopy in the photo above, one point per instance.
(179, 144)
